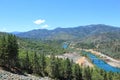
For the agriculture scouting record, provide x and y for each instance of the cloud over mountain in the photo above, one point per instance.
(45, 26)
(39, 21)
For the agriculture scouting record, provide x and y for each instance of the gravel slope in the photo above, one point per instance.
(5, 75)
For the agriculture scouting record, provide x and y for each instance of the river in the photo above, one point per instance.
(65, 45)
(100, 63)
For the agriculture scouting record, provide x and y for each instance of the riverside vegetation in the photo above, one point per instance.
(19, 60)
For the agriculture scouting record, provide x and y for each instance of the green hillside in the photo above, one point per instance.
(103, 38)
(30, 45)
(107, 43)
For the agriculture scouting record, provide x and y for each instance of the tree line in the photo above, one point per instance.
(8, 51)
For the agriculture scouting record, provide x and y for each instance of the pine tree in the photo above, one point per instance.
(36, 67)
(9, 50)
(27, 62)
(57, 68)
(12, 50)
(68, 70)
(61, 68)
(96, 76)
(110, 76)
(105, 76)
(42, 63)
(87, 73)
(3, 51)
(52, 66)
(116, 76)
(77, 72)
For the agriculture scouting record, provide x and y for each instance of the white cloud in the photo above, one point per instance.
(39, 21)
(45, 26)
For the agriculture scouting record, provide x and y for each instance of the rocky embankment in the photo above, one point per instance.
(5, 75)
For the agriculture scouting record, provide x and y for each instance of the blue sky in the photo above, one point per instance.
(25, 15)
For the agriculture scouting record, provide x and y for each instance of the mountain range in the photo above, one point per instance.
(98, 31)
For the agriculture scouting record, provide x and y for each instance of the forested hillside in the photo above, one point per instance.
(40, 46)
(107, 43)
(103, 38)
(36, 62)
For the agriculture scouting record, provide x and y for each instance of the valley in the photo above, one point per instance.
(62, 53)
(103, 38)
(96, 58)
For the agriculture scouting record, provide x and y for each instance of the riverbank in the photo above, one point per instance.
(107, 59)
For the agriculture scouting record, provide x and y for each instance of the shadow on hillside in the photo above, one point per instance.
(13, 70)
